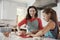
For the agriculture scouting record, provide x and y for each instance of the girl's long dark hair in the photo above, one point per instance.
(28, 15)
(53, 14)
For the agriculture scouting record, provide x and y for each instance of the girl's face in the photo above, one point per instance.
(32, 12)
(46, 17)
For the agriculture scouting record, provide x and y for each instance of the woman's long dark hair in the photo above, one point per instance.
(53, 14)
(28, 15)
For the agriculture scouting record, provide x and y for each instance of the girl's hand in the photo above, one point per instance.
(38, 34)
(30, 34)
(33, 35)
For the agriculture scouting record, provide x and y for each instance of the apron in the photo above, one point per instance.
(32, 26)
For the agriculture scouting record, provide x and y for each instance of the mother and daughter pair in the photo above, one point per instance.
(35, 28)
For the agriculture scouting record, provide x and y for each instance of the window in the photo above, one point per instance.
(21, 13)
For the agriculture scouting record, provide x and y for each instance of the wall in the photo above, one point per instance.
(8, 11)
(1, 4)
(57, 9)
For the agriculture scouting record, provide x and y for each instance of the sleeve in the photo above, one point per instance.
(24, 21)
(40, 24)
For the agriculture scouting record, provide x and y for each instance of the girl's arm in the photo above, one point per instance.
(40, 24)
(50, 26)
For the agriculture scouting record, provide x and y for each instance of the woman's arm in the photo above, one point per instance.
(50, 26)
(40, 24)
(24, 21)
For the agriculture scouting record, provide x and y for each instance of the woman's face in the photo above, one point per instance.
(32, 12)
(46, 17)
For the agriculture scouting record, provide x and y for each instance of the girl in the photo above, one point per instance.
(34, 23)
(51, 29)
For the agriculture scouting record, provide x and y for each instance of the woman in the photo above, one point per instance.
(51, 30)
(32, 20)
